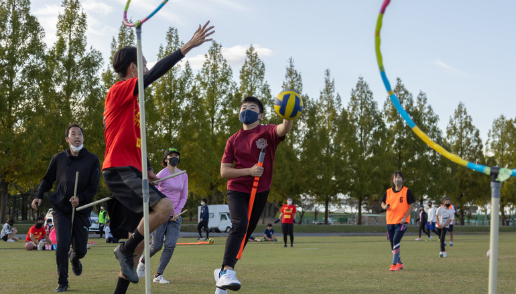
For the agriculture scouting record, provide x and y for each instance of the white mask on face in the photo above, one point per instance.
(289, 202)
(202, 203)
(76, 149)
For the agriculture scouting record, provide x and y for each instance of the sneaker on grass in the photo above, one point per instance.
(160, 279)
(140, 270)
(216, 276)
(227, 280)
(418, 239)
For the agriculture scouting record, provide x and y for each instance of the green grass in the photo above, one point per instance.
(315, 265)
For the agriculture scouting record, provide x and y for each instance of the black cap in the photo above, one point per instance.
(171, 150)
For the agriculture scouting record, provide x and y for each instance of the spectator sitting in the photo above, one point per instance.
(37, 236)
(49, 226)
(8, 232)
(268, 234)
(109, 236)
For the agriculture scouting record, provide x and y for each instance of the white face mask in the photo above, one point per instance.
(76, 149)
(202, 203)
(289, 202)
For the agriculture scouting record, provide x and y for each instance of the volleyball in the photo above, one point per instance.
(288, 104)
(29, 246)
(211, 241)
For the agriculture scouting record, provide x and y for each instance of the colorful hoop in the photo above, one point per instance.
(140, 22)
(503, 173)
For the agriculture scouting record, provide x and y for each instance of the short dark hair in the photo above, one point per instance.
(289, 197)
(39, 218)
(123, 59)
(254, 100)
(205, 200)
(269, 225)
(10, 221)
(397, 173)
(73, 125)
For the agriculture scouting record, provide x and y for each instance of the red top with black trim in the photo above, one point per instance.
(288, 213)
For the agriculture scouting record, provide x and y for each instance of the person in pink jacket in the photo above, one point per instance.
(176, 189)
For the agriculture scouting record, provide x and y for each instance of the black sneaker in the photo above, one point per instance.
(61, 288)
(285, 245)
(76, 265)
(291, 245)
(126, 265)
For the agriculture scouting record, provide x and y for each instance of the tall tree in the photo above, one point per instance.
(288, 168)
(462, 184)
(500, 145)
(366, 147)
(21, 61)
(326, 179)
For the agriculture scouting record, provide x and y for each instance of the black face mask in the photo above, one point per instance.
(174, 161)
(429, 205)
(38, 226)
(447, 205)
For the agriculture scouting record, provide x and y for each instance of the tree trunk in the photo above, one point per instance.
(326, 204)
(3, 204)
(461, 216)
(315, 214)
(359, 211)
(24, 197)
(502, 214)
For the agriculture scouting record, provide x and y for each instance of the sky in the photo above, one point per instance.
(452, 50)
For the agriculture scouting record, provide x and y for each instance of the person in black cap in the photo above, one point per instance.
(203, 220)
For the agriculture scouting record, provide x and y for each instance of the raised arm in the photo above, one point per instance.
(284, 128)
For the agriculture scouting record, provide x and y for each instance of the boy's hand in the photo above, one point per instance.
(199, 37)
(256, 171)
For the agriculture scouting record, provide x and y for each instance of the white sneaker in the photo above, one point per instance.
(140, 270)
(430, 237)
(11, 240)
(41, 245)
(441, 254)
(444, 254)
(216, 276)
(200, 239)
(160, 279)
(418, 239)
(228, 281)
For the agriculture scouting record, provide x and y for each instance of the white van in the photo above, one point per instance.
(220, 220)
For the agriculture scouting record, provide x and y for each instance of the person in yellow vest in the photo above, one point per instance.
(399, 202)
(103, 217)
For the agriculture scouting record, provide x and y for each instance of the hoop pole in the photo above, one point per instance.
(143, 148)
(74, 195)
(495, 212)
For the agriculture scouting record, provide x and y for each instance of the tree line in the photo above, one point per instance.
(336, 153)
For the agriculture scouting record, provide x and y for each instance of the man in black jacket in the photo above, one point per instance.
(62, 170)
(422, 219)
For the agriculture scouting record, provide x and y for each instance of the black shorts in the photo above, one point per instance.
(125, 183)
(450, 228)
(126, 208)
(4, 238)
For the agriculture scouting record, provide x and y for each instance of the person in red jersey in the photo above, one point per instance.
(239, 165)
(37, 236)
(288, 219)
(122, 168)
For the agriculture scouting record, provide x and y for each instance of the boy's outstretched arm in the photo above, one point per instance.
(284, 128)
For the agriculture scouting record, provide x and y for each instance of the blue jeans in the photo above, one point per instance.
(170, 229)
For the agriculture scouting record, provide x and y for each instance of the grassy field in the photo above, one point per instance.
(315, 265)
(24, 228)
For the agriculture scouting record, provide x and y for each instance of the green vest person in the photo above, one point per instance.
(103, 217)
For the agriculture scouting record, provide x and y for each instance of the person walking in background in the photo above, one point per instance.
(450, 227)
(176, 189)
(444, 219)
(103, 216)
(8, 233)
(430, 225)
(288, 219)
(203, 220)
(62, 170)
(399, 202)
(422, 219)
